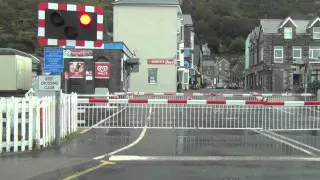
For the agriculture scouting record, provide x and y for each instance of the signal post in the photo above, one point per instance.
(67, 25)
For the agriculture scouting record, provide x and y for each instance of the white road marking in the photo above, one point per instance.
(285, 142)
(211, 158)
(141, 136)
(294, 141)
(102, 121)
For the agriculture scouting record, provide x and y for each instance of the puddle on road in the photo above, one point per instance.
(94, 143)
(235, 143)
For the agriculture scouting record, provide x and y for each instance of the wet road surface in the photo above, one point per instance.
(198, 143)
(73, 152)
(202, 171)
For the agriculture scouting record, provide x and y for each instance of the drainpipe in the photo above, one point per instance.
(306, 76)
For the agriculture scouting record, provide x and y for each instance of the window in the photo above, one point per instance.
(278, 54)
(287, 32)
(153, 75)
(316, 33)
(314, 52)
(226, 68)
(315, 76)
(261, 54)
(296, 52)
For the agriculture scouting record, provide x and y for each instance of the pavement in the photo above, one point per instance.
(148, 149)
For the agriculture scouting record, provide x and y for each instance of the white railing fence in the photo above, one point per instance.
(29, 123)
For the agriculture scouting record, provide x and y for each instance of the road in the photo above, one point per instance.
(200, 145)
(153, 150)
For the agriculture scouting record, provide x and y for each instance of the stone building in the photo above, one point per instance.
(279, 50)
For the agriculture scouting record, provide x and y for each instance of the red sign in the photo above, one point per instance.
(76, 70)
(161, 61)
(102, 70)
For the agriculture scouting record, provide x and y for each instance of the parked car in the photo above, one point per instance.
(219, 86)
(233, 86)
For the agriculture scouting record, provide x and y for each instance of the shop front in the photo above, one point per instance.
(259, 78)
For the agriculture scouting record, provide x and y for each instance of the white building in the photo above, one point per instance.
(186, 50)
(149, 28)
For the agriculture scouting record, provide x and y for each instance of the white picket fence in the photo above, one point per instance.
(28, 123)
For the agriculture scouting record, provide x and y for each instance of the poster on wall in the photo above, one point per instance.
(76, 70)
(102, 70)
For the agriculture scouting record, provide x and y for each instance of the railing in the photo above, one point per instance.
(216, 96)
(199, 114)
(29, 123)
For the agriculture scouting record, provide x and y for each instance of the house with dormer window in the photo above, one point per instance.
(279, 50)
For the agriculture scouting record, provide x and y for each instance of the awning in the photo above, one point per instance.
(132, 61)
(314, 67)
(256, 69)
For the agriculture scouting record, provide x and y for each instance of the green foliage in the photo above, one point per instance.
(225, 24)
(18, 22)
(313, 86)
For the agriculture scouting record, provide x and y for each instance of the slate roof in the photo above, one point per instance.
(208, 63)
(187, 19)
(313, 21)
(271, 25)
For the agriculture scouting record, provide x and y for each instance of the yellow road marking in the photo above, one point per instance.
(103, 163)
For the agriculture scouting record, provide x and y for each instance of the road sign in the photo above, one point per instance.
(53, 60)
(59, 25)
(49, 83)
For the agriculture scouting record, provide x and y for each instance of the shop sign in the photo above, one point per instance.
(102, 70)
(161, 61)
(77, 53)
(257, 68)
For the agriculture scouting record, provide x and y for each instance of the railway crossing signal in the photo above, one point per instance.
(70, 25)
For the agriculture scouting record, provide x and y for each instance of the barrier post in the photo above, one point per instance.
(58, 116)
(318, 97)
(317, 132)
(41, 118)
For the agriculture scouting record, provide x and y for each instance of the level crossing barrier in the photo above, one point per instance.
(217, 96)
(199, 114)
(28, 123)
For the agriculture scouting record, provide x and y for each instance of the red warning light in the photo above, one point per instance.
(85, 19)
